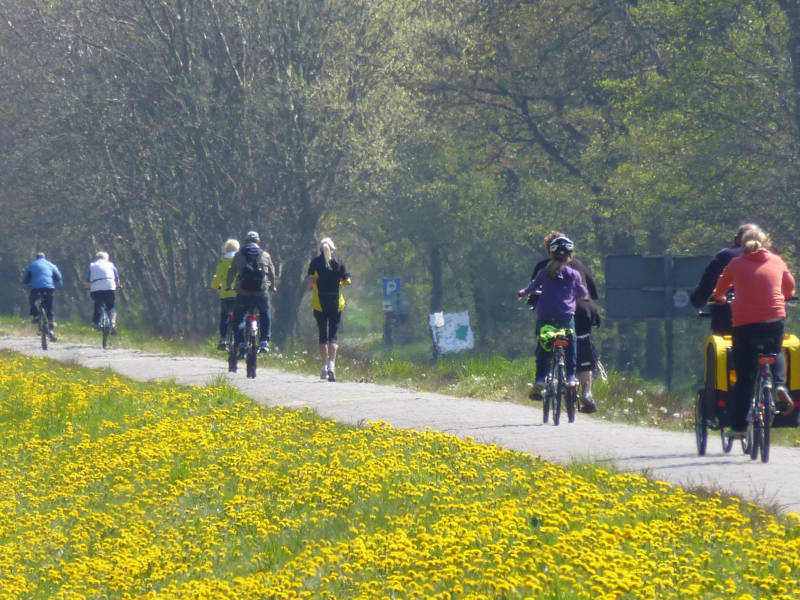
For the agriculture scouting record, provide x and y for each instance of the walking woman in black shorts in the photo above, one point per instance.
(326, 277)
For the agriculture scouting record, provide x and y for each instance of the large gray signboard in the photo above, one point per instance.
(640, 287)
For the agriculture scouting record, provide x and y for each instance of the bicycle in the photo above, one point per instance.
(713, 399)
(105, 324)
(556, 392)
(251, 333)
(42, 322)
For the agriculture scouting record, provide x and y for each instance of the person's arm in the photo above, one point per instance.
(724, 283)
(57, 280)
(535, 282)
(233, 270)
(270, 273)
(581, 290)
(787, 285)
(708, 280)
(117, 283)
(591, 287)
(27, 276)
(344, 276)
(312, 276)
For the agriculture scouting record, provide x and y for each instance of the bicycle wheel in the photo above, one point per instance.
(233, 358)
(547, 395)
(105, 325)
(572, 400)
(766, 420)
(700, 427)
(754, 430)
(559, 395)
(727, 442)
(43, 325)
(251, 359)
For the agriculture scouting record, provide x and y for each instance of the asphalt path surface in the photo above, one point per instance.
(662, 455)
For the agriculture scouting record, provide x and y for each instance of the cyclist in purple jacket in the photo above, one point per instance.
(558, 286)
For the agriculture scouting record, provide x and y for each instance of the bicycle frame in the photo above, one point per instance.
(556, 383)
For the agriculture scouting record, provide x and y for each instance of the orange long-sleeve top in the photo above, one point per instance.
(762, 284)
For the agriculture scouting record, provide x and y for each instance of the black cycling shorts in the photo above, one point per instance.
(587, 356)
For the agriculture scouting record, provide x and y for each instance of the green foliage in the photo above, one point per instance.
(438, 142)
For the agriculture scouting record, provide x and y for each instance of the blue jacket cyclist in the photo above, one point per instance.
(42, 277)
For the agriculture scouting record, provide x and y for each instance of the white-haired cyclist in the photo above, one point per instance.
(102, 281)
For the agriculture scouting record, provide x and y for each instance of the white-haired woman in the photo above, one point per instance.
(102, 281)
(227, 298)
(326, 277)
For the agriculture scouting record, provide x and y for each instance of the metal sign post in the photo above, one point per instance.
(653, 287)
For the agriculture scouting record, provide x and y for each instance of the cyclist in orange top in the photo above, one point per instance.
(763, 283)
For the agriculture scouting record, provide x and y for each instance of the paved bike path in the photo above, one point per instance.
(662, 455)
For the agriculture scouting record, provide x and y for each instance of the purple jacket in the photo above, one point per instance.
(558, 294)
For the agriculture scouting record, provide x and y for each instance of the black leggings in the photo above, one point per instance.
(328, 325)
(101, 297)
(746, 339)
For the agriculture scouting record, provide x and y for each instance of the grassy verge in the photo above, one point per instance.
(620, 399)
(116, 489)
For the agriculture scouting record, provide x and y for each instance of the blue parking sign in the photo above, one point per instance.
(390, 286)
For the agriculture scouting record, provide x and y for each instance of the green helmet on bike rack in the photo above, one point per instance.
(548, 333)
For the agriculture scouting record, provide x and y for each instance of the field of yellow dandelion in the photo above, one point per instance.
(116, 489)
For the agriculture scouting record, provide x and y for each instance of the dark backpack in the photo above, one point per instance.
(251, 278)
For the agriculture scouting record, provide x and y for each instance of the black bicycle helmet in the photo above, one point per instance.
(252, 236)
(561, 246)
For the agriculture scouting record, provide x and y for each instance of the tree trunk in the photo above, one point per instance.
(437, 286)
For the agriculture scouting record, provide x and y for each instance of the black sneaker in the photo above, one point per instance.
(588, 405)
(784, 398)
(537, 390)
(222, 346)
(52, 337)
(331, 375)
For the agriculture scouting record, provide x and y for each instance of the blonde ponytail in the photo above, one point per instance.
(326, 246)
(755, 239)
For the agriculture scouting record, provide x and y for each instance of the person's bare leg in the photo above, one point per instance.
(585, 379)
(323, 354)
(587, 401)
(332, 347)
